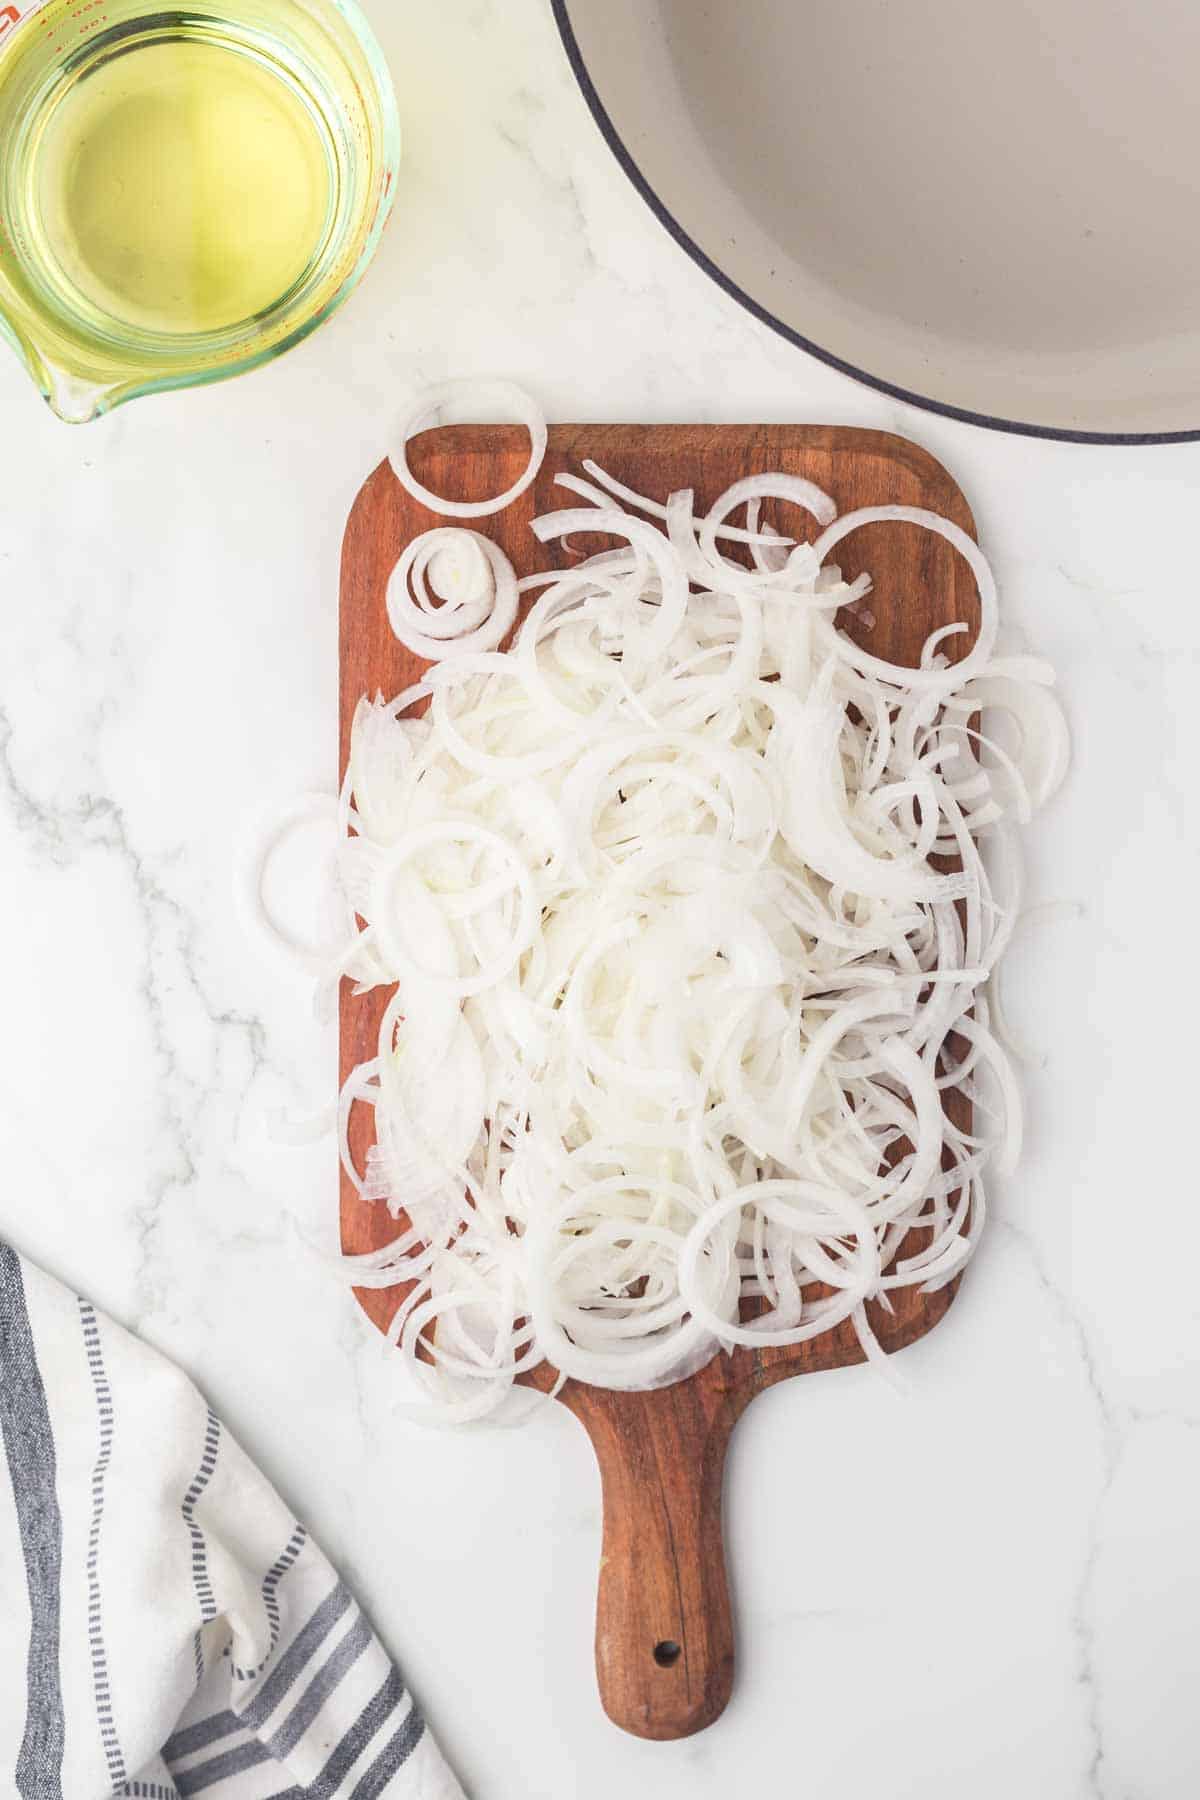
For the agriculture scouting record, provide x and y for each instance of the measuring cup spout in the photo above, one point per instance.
(75, 398)
(75, 401)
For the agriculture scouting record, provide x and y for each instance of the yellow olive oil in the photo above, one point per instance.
(185, 191)
(183, 186)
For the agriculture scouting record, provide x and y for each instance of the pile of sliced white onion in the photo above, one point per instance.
(683, 903)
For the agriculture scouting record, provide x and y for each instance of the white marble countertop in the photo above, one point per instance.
(988, 1587)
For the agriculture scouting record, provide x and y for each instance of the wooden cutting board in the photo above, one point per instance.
(664, 1633)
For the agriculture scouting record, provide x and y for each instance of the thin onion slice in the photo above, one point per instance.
(426, 407)
(475, 583)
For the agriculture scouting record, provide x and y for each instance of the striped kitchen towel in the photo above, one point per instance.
(166, 1627)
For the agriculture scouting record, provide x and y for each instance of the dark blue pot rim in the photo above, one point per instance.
(686, 243)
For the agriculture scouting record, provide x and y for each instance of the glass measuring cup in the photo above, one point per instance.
(186, 193)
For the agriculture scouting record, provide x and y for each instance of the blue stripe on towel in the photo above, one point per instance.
(270, 1594)
(100, 1679)
(29, 1448)
(200, 1579)
(284, 1675)
(393, 1756)
(369, 1723)
(220, 1768)
(322, 1685)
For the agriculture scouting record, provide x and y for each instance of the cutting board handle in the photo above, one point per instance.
(664, 1629)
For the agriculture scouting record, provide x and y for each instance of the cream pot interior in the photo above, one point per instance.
(990, 207)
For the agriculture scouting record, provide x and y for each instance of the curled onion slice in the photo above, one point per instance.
(426, 407)
(472, 604)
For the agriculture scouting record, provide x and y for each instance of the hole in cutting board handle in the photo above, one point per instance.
(667, 1653)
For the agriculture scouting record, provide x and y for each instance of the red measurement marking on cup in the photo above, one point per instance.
(8, 16)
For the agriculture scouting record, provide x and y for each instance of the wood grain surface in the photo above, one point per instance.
(664, 1631)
